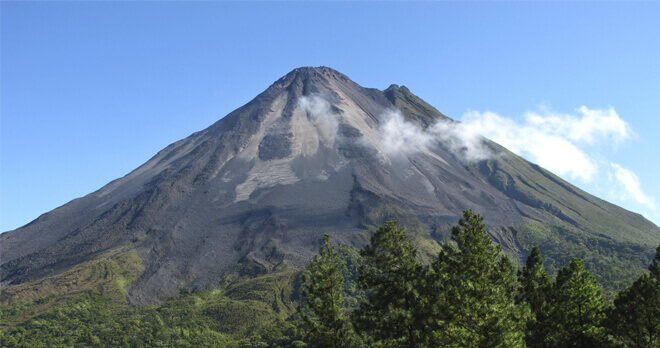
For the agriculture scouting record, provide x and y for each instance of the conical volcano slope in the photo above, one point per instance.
(315, 153)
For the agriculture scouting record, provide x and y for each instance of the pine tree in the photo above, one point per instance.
(393, 313)
(476, 286)
(577, 308)
(535, 291)
(635, 318)
(654, 267)
(324, 322)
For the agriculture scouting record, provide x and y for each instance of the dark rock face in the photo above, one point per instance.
(349, 131)
(275, 147)
(304, 158)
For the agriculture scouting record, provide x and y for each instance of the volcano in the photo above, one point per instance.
(316, 153)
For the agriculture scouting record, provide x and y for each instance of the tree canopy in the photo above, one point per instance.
(577, 310)
(476, 291)
(535, 290)
(322, 312)
(393, 313)
(635, 317)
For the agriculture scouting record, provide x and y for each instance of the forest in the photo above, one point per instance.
(471, 295)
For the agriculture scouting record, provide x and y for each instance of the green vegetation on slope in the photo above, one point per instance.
(244, 311)
(567, 205)
(616, 265)
(106, 274)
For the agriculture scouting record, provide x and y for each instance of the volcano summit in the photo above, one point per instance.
(316, 153)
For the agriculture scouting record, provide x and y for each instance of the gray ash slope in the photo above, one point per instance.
(304, 158)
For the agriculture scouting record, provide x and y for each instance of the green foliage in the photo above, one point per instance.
(654, 267)
(635, 318)
(535, 282)
(476, 289)
(353, 293)
(14, 312)
(616, 264)
(536, 290)
(106, 273)
(378, 211)
(394, 312)
(246, 312)
(577, 309)
(323, 312)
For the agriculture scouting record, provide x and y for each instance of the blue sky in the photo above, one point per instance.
(91, 90)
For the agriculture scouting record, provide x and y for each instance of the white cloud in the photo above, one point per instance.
(547, 148)
(315, 105)
(401, 137)
(561, 156)
(631, 187)
(319, 111)
(462, 139)
(591, 127)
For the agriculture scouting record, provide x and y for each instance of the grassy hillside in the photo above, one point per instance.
(251, 307)
(106, 275)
